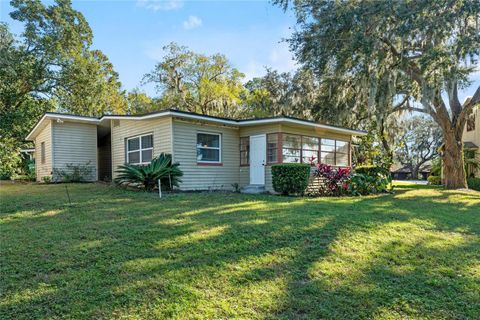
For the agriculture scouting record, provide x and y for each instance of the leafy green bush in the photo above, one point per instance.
(47, 179)
(364, 184)
(73, 172)
(474, 183)
(436, 167)
(10, 159)
(290, 178)
(369, 180)
(373, 171)
(160, 167)
(434, 180)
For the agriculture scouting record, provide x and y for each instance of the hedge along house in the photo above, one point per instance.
(213, 152)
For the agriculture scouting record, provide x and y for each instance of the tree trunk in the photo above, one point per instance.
(415, 170)
(454, 176)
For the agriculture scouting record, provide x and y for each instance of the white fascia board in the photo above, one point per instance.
(195, 117)
(53, 116)
(149, 116)
(239, 123)
(173, 114)
(29, 136)
(304, 123)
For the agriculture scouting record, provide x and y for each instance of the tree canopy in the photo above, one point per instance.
(418, 143)
(197, 82)
(402, 55)
(51, 64)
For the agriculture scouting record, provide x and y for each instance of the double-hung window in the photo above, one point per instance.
(209, 147)
(139, 149)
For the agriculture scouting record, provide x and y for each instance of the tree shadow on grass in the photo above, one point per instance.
(420, 270)
(201, 255)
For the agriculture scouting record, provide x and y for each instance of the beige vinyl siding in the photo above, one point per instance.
(244, 178)
(268, 179)
(45, 169)
(123, 129)
(75, 143)
(204, 177)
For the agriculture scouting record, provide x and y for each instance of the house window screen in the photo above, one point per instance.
(272, 148)
(140, 149)
(208, 147)
(244, 151)
(292, 148)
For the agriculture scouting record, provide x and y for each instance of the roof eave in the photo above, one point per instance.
(52, 116)
(304, 123)
(191, 116)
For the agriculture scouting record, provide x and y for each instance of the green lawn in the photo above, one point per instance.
(115, 254)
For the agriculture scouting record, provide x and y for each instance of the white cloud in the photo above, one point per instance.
(160, 5)
(192, 22)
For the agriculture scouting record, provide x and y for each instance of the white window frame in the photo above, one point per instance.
(213, 148)
(138, 150)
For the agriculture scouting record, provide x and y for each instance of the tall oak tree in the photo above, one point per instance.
(426, 50)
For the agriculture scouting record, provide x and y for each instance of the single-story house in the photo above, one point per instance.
(400, 172)
(213, 152)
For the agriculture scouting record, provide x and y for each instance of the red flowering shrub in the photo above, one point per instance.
(335, 180)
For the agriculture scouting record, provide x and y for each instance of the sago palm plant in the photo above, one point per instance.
(160, 167)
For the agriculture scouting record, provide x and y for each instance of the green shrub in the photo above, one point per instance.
(10, 159)
(373, 171)
(371, 179)
(290, 178)
(160, 167)
(47, 179)
(26, 171)
(363, 184)
(474, 183)
(434, 180)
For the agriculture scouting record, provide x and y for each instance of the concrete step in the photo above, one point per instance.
(253, 189)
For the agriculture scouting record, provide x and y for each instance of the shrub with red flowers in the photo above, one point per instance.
(335, 180)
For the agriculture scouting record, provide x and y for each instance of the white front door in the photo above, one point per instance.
(258, 154)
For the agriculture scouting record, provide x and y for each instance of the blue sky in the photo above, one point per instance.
(132, 33)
